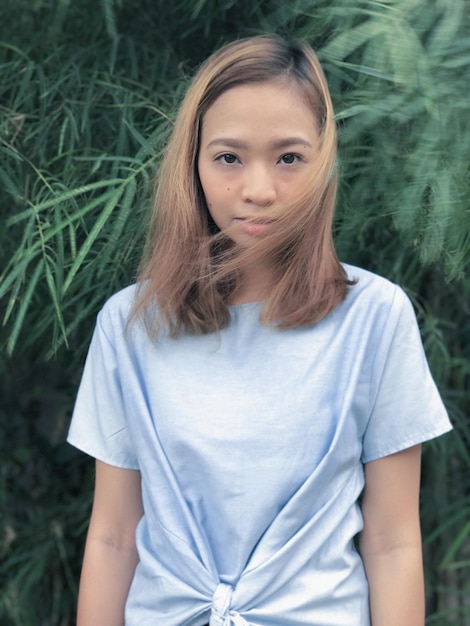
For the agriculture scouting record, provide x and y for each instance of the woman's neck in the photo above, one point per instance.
(255, 285)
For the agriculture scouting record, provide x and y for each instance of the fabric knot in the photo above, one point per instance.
(221, 613)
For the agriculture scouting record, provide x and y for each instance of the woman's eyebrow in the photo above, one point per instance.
(291, 141)
(275, 145)
(228, 141)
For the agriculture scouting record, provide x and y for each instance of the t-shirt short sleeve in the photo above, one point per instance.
(99, 421)
(406, 405)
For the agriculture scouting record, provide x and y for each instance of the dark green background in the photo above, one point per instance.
(87, 93)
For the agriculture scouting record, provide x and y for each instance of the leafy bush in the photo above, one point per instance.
(87, 98)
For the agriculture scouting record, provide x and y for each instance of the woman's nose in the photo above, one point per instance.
(258, 186)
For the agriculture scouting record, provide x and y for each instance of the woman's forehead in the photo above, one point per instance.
(278, 107)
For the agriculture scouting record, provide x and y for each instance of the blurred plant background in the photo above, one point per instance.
(88, 91)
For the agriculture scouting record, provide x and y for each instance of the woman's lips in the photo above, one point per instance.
(255, 227)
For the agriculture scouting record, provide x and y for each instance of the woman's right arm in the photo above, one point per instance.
(110, 553)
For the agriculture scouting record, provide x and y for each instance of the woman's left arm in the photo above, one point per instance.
(390, 542)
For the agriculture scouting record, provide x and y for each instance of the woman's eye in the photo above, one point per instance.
(289, 158)
(227, 158)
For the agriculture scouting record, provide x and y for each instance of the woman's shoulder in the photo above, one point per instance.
(370, 285)
(373, 294)
(116, 310)
(122, 299)
(366, 278)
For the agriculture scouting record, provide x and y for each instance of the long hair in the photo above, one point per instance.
(189, 270)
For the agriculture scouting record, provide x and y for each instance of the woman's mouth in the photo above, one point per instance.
(255, 227)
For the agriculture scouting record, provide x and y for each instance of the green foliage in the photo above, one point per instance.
(87, 97)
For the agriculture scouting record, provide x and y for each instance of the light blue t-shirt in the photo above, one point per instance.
(251, 445)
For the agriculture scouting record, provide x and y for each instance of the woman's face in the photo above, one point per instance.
(258, 147)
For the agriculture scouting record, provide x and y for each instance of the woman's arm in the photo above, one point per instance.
(110, 553)
(390, 542)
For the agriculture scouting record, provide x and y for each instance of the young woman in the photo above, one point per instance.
(253, 405)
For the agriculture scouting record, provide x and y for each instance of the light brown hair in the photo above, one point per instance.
(190, 271)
